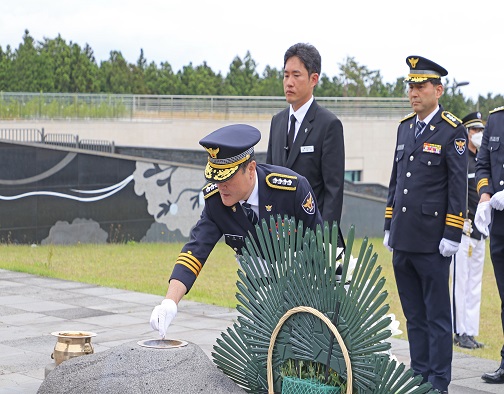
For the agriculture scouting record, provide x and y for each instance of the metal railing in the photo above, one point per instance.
(120, 106)
(22, 135)
(57, 139)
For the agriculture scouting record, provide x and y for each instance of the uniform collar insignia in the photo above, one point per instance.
(268, 207)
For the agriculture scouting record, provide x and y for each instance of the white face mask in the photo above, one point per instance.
(476, 139)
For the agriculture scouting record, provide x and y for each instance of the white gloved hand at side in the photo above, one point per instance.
(497, 201)
(448, 248)
(162, 316)
(386, 239)
(483, 217)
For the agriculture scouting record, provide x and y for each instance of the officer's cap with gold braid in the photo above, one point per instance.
(422, 69)
(473, 121)
(227, 148)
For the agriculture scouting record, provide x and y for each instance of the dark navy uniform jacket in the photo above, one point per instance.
(490, 165)
(427, 191)
(281, 192)
(472, 194)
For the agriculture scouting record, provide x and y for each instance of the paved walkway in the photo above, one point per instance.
(31, 307)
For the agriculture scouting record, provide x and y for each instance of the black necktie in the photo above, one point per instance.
(419, 127)
(251, 215)
(290, 136)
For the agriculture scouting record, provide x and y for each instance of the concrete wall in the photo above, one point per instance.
(369, 143)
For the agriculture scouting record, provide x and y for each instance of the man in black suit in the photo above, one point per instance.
(306, 137)
(424, 219)
(240, 193)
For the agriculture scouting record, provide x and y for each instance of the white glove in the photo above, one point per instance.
(467, 230)
(385, 241)
(483, 217)
(448, 248)
(497, 201)
(162, 316)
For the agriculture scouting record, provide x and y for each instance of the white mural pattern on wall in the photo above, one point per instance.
(174, 194)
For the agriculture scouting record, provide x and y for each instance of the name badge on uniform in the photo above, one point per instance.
(400, 147)
(494, 138)
(307, 149)
(432, 148)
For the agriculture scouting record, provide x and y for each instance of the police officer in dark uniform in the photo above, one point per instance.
(424, 218)
(240, 193)
(467, 264)
(490, 185)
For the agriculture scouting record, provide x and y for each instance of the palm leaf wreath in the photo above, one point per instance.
(304, 269)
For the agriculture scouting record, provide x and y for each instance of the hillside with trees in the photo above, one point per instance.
(57, 66)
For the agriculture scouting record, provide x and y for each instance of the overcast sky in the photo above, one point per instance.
(464, 37)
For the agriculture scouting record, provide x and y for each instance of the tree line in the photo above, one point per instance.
(55, 66)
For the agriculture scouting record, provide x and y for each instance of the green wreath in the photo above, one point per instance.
(297, 268)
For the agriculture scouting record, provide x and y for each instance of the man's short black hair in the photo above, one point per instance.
(243, 166)
(308, 54)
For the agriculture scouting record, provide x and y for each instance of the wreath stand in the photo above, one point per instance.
(329, 324)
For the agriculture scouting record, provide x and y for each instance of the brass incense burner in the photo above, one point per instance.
(71, 344)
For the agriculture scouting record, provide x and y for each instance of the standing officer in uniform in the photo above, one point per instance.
(424, 218)
(240, 193)
(306, 137)
(490, 185)
(467, 264)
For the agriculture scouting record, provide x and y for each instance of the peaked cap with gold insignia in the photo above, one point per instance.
(422, 69)
(227, 148)
(473, 121)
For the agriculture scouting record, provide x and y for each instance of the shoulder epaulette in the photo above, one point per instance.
(497, 109)
(282, 181)
(409, 116)
(450, 118)
(209, 190)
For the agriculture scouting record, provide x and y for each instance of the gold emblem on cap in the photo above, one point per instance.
(413, 61)
(212, 152)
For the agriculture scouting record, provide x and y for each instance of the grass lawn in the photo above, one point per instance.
(147, 267)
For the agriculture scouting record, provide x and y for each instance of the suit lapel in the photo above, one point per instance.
(264, 195)
(411, 143)
(282, 137)
(239, 217)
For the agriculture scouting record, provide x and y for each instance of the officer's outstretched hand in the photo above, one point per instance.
(497, 201)
(385, 241)
(448, 248)
(162, 316)
(483, 217)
